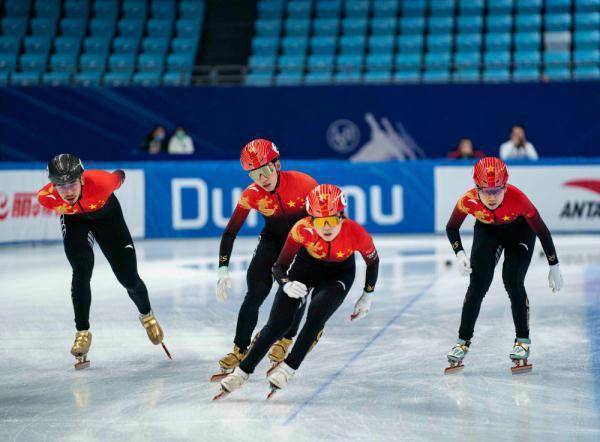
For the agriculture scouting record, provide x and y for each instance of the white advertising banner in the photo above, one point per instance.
(567, 197)
(23, 219)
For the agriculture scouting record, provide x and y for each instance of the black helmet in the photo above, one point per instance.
(64, 168)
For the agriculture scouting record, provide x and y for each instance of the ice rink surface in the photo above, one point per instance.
(380, 378)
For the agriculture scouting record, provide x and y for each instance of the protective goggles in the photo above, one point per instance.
(491, 191)
(267, 170)
(71, 185)
(331, 221)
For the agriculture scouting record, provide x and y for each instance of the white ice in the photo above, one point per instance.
(380, 378)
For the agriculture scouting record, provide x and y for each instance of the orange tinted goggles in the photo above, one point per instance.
(331, 221)
(267, 170)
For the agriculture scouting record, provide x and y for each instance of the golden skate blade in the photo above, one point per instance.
(81, 365)
(220, 395)
(217, 377)
(454, 368)
(166, 351)
(521, 368)
(274, 390)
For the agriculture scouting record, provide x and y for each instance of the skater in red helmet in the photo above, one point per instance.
(506, 221)
(317, 260)
(280, 197)
(91, 212)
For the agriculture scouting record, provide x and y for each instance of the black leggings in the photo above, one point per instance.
(108, 228)
(259, 279)
(330, 287)
(517, 240)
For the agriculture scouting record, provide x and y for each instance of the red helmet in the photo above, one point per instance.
(490, 172)
(325, 200)
(257, 153)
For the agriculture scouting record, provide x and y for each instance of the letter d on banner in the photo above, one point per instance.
(177, 186)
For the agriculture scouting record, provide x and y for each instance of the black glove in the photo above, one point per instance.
(121, 174)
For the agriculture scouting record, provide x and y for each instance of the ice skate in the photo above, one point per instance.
(228, 363)
(519, 355)
(456, 355)
(278, 352)
(154, 331)
(81, 346)
(231, 382)
(279, 377)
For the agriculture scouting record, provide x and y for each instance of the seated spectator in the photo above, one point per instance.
(155, 142)
(181, 142)
(518, 148)
(465, 150)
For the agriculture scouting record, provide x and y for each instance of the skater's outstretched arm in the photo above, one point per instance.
(228, 238)
(453, 228)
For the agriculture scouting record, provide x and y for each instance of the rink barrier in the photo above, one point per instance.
(168, 199)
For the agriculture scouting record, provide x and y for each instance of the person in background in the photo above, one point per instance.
(465, 150)
(155, 142)
(517, 147)
(181, 142)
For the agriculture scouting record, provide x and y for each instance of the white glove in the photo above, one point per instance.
(223, 283)
(362, 306)
(464, 265)
(295, 289)
(555, 278)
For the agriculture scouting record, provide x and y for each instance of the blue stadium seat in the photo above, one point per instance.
(96, 45)
(526, 74)
(587, 21)
(439, 43)
(87, 78)
(528, 6)
(496, 75)
(437, 60)
(184, 45)
(262, 63)
(468, 42)
(265, 45)
(408, 44)
(15, 27)
(321, 77)
(257, 79)
(440, 25)
(106, 9)
(527, 58)
(586, 72)
(408, 61)
(384, 25)
(347, 77)
(157, 46)
(159, 28)
(266, 27)
(328, 8)
(163, 10)
(466, 75)
(117, 79)
(468, 24)
(8, 62)
(557, 73)
(586, 57)
(288, 78)
(527, 40)
(436, 76)
(181, 62)
(291, 62)
(471, 7)
(587, 5)
(176, 78)
(349, 62)
(408, 76)
(299, 9)
(16, 8)
(131, 27)
(125, 45)
(385, 8)
(134, 9)
(356, 8)
(323, 45)
(271, 9)
(412, 25)
(528, 22)
(499, 23)
(56, 79)
(297, 27)
(557, 58)
(63, 62)
(102, 27)
(354, 26)
(558, 5)
(150, 63)
(326, 27)
(442, 7)
(9, 44)
(467, 59)
(351, 44)
(188, 28)
(497, 59)
(43, 26)
(67, 45)
(320, 62)
(194, 10)
(92, 62)
(414, 8)
(378, 77)
(146, 79)
(379, 44)
(33, 62)
(379, 61)
(121, 62)
(37, 45)
(498, 41)
(557, 22)
(587, 39)
(497, 7)
(24, 78)
(294, 45)
(47, 9)
(73, 27)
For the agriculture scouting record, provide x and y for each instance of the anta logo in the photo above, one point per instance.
(582, 209)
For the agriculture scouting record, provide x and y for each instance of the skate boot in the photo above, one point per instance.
(81, 346)
(154, 331)
(519, 355)
(279, 377)
(228, 363)
(278, 352)
(456, 355)
(232, 382)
